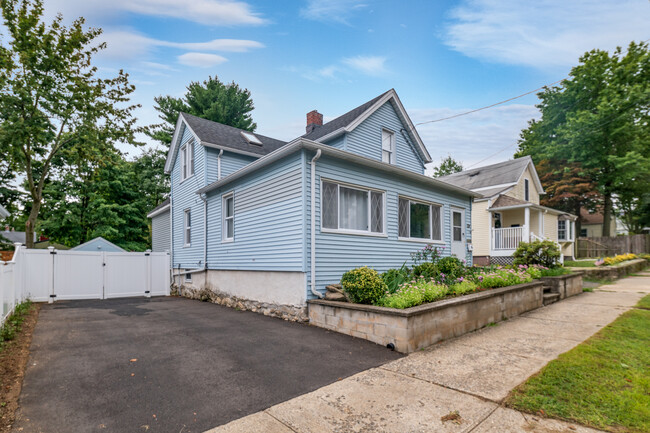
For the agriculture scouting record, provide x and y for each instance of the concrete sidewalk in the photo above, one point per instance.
(470, 375)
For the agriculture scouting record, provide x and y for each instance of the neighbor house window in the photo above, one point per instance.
(187, 228)
(526, 190)
(229, 217)
(564, 230)
(387, 146)
(583, 233)
(187, 159)
(352, 209)
(419, 220)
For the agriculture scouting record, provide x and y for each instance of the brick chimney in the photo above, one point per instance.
(314, 119)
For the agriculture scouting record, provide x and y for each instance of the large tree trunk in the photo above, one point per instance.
(607, 214)
(30, 225)
(576, 235)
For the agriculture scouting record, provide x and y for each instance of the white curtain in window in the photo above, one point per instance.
(330, 205)
(436, 232)
(353, 214)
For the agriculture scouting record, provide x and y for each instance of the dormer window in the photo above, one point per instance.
(387, 146)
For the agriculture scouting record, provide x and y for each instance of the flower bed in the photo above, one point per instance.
(613, 272)
(413, 328)
(613, 261)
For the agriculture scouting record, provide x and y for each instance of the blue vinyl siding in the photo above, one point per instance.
(185, 197)
(365, 139)
(230, 163)
(337, 253)
(338, 142)
(268, 220)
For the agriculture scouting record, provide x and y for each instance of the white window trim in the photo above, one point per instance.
(368, 232)
(430, 204)
(187, 148)
(186, 227)
(392, 159)
(568, 231)
(224, 227)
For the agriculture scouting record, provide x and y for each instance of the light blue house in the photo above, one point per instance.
(99, 244)
(268, 224)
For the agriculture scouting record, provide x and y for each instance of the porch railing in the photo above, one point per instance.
(507, 238)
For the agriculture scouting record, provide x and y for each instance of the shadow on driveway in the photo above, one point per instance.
(198, 365)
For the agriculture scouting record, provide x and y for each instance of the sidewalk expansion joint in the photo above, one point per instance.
(279, 420)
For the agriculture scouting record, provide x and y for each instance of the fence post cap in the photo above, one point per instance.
(18, 244)
(50, 248)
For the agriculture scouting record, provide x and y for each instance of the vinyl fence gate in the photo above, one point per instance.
(51, 275)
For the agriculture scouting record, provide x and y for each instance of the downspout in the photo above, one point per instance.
(171, 231)
(205, 231)
(313, 225)
(219, 164)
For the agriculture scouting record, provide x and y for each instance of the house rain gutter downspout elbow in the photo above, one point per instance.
(313, 225)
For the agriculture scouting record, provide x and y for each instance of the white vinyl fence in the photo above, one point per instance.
(51, 275)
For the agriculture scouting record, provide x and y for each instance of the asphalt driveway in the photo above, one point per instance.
(173, 365)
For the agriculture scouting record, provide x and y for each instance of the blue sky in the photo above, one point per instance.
(442, 57)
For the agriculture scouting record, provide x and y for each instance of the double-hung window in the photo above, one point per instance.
(352, 209)
(387, 146)
(187, 159)
(419, 220)
(187, 228)
(565, 230)
(228, 217)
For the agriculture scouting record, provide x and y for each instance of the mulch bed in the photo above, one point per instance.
(13, 361)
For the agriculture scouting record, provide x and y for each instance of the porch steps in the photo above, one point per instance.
(550, 297)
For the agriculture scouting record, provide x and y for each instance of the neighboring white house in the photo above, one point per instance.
(99, 244)
(509, 211)
(160, 227)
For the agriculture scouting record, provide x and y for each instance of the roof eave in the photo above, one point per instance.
(158, 211)
(303, 143)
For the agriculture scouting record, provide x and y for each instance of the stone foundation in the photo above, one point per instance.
(293, 313)
(565, 285)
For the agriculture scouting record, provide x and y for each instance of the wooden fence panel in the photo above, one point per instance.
(609, 246)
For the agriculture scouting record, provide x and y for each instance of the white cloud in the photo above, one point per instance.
(332, 10)
(202, 60)
(368, 65)
(471, 138)
(125, 44)
(208, 12)
(545, 33)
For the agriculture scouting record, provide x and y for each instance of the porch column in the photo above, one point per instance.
(540, 223)
(526, 233)
(490, 225)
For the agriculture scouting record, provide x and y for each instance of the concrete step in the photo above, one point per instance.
(550, 298)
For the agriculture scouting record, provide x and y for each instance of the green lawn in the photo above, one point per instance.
(603, 382)
(580, 263)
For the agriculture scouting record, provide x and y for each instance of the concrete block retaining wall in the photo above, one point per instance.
(613, 272)
(417, 327)
(566, 285)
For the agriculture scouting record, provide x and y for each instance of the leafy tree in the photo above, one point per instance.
(447, 166)
(599, 117)
(50, 96)
(213, 100)
(568, 187)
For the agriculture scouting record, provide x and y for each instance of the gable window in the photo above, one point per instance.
(229, 217)
(352, 209)
(187, 159)
(526, 190)
(564, 230)
(187, 228)
(387, 146)
(419, 220)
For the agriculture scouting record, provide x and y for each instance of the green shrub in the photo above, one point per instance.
(554, 272)
(452, 268)
(543, 253)
(427, 254)
(463, 288)
(427, 270)
(395, 278)
(363, 285)
(502, 278)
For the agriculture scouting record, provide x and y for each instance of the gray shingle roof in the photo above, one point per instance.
(505, 201)
(341, 121)
(228, 136)
(489, 175)
(160, 206)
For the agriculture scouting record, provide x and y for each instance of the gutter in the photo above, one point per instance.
(159, 211)
(302, 143)
(313, 224)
